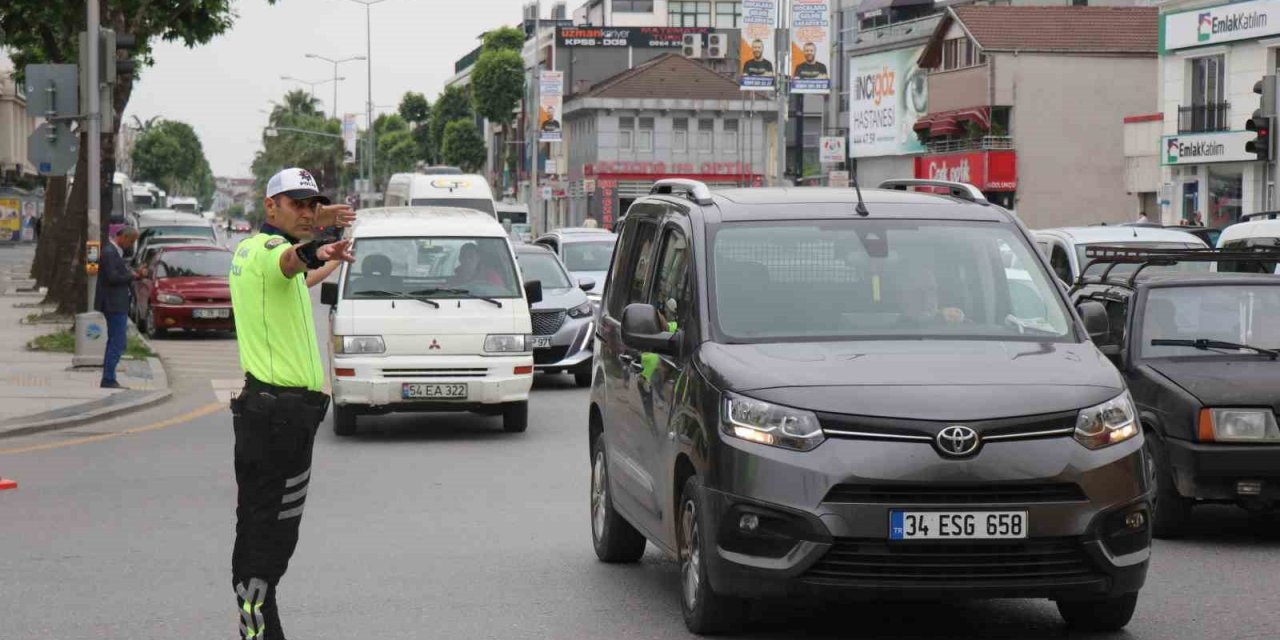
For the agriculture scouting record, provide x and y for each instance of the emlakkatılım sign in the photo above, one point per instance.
(1223, 23)
(1199, 148)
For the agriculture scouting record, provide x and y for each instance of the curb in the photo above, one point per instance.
(143, 401)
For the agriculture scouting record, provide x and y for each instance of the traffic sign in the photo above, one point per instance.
(53, 88)
(589, 185)
(53, 148)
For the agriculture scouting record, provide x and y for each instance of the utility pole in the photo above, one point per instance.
(535, 196)
(94, 152)
(368, 30)
(782, 40)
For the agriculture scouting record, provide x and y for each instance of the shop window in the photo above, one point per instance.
(1226, 186)
(687, 13)
(728, 15)
(633, 6)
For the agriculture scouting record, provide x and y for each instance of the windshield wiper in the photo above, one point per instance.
(1205, 344)
(454, 290)
(393, 294)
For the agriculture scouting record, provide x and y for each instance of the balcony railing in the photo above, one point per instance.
(985, 143)
(1199, 118)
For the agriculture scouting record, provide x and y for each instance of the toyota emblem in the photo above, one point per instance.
(958, 441)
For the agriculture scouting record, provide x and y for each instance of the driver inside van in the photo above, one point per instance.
(918, 298)
(474, 268)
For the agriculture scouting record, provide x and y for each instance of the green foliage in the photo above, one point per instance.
(319, 155)
(397, 153)
(415, 109)
(504, 38)
(169, 154)
(463, 146)
(65, 342)
(453, 104)
(234, 212)
(498, 85)
(389, 122)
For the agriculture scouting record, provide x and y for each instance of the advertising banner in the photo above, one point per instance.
(810, 46)
(986, 170)
(1223, 23)
(831, 150)
(1199, 148)
(638, 37)
(551, 101)
(10, 219)
(757, 49)
(887, 94)
(349, 138)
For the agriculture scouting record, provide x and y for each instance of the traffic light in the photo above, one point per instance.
(110, 67)
(1262, 122)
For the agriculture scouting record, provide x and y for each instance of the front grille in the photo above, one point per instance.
(546, 323)
(434, 373)
(963, 494)
(1016, 428)
(550, 355)
(854, 560)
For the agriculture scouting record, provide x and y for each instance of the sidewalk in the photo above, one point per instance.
(40, 391)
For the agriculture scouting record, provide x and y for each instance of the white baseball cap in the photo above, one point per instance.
(296, 183)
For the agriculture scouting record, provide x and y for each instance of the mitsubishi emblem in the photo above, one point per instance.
(434, 345)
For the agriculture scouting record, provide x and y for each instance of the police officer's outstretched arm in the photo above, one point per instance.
(292, 262)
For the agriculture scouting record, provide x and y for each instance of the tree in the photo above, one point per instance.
(319, 154)
(504, 38)
(463, 146)
(453, 104)
(43, 31)
(415, 109)
(170, 154)
(497, 88)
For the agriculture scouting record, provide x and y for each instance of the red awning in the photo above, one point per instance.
(948, 123)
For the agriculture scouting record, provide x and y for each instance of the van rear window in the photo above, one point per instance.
(479, 204)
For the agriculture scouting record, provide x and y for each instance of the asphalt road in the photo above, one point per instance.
(446, 527)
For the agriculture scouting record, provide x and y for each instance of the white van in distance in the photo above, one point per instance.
(440, 190)
(431, 317)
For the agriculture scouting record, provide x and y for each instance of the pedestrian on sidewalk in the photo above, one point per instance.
(111, 298)
(276, 416)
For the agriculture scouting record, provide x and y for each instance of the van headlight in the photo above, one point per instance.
(1240, 425)
(771, 424)
(1111, 422)
(506, 343)
(359, 344)
(583, 310)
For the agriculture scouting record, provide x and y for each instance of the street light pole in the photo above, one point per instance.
(314, 84)
(368, 29)
(335, 64)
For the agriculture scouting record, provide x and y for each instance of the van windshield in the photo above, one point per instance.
(479, 204)
(458, 267)
(869, 279)
(1243, 314)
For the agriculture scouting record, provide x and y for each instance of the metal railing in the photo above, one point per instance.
(1198, 118)
(985, 143)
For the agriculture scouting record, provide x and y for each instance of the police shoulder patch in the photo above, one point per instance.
(275, 242)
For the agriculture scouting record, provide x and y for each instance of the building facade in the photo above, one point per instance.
(1211, 56)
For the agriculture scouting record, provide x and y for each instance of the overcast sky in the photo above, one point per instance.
(221, 87)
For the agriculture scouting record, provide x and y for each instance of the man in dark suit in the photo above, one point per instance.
(115, 280)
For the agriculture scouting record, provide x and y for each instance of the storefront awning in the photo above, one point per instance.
(949, 123)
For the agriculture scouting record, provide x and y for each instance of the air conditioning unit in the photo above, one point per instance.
(717, 45)
(692, 45)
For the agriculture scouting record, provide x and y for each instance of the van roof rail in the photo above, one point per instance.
(961, 190)
(1260, 215)
(695, 190)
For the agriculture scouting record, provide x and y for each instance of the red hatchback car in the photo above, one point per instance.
(185, 288)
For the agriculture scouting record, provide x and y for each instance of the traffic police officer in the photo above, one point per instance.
(276, 415)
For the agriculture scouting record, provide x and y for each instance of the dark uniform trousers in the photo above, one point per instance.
(275, 430)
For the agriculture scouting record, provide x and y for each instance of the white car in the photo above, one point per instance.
(1261, 232)
(431, 317)
(1065, 247)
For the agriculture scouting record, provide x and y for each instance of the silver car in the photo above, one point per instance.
(563, 328)
(585, 253)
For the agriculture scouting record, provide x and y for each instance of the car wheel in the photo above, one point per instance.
(153, 330)
(1099, 614)
(614, 539)
(515, 417)
(1170, 511)
(582, 375)
(705, 611)
(344, 420)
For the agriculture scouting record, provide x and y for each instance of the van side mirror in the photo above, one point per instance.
(1096, 322)
(533, 291)
(641, 330)
(586, 284)
(329, 293)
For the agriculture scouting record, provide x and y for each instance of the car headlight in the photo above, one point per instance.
(169, 298)
(506, 343)
(771, 424)
(359, 344)
(583, 310)
(1238, 425)
(1109, 423)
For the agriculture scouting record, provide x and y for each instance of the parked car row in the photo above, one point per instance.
(185, 266)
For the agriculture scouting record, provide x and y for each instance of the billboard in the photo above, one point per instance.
(757, 48)
(10, 219)
(810, 46)
(1223, 23)
(349, 138)
(550, 103)
(621, 37)
(887, 94)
